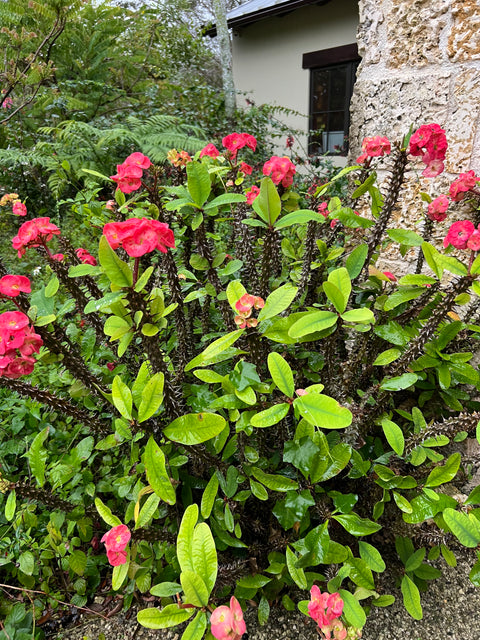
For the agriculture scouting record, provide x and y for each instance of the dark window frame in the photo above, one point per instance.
(346, 58)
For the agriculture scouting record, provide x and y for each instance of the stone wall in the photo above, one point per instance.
(420, 64)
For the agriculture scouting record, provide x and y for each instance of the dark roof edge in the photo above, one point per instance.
(262, 14)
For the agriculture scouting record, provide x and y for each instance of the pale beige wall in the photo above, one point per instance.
(267, 56)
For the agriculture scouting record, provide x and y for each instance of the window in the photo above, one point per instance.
(332, 76)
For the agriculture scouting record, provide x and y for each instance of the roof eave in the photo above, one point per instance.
(262, 14)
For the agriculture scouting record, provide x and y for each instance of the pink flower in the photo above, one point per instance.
(459, 233)
(281, 170)
(227, 623)
(116, 558)
(17, 334)
(337, 628)
(430, 142)
(110, 205)
(85, 257)
(244, 307)
(12, 286)
(245, 168)
(178, 158)
(437, 208)
(323, 209)
(58, 257)
(390, 276)
(7, 103)
(34, 233)
(252, 194)
(473, 242)
(465, 182)
(236, 141)
(117, 538)
(138, 159)
(374, 147)
(324, 607)
(128, 177)
(139, 236)
(19, 209)
(210, 150)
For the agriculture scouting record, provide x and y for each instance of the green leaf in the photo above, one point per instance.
(106, 301)
(401, 295)
(383, 601)
(258, 490)
(448, 556)
(386, 357)
(263, 611)
(194, 588)
(270, 416)
(165, 589)
(118, 272)
(361, 573)
(214, 349)
(301, 216)
(122, 398)
(77, 561)
(194, 428)
(116, 327)
(431, 257)
(204, 555)
(323, 411)
(411, 598)
(198, 182)
(312, 322)
(156, 471)
(371, 556)
(26, 561)
(235, 290)
(355, 525)
(363, 315)
(52, 287)
(352, 610)
(355, 261)
(80, 270)
(225, 198)
(399, 382)
(169, 616)
(445, 473)
(341, 280)
(196, 628)
(106, 514)
(208, 497)
(274, 482)
(37, 456)
(297, 575)
(465, 528)
(281, 373)
(335, 296)
(185, 538)
(268, 204)
(147, 511)
(406, 237)
(394, 436)
(152, 396)
(402, 503)
(278, 301)
(10, 505)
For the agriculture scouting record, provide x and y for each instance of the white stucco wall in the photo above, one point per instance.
(267, 56)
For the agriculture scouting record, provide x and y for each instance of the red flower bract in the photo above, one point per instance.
(18, 342)
(430, 142)
(34, 233)
(12, 286)
(139, 236)
(281, 170)
(459, 233)
(465, 182)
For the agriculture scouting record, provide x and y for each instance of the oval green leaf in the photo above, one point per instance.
(194, 428)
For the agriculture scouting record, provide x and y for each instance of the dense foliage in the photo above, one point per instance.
(235, 400)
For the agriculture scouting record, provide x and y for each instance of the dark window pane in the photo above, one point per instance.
(337, 121)
(338, 88)
(320, 83)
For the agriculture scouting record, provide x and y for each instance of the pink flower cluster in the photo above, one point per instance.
(463, 235)
(236, 141)
(244, 306)
(178, 158)
(139, 236)
(34, 233)
(430, 142)
(281, 170)
(252, 194)
(85, 257)
(464, 183)
(129, 173)
(227, 623)
(210, 150)
(437, 209)
(12, 286)
(325, 609)
(18, 341)
(116, 541)
(373, 148)
(18, 208)
(7, 103)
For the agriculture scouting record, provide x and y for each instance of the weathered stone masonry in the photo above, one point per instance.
(420, 64)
